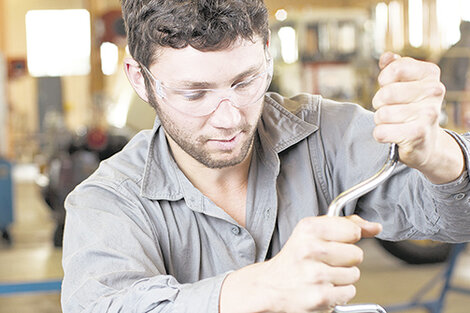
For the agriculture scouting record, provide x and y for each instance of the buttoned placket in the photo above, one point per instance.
(262, 199)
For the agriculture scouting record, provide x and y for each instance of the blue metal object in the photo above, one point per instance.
(6, 195)
(30, 287)
(436, 305)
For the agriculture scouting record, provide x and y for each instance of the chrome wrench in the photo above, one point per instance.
(353, 193)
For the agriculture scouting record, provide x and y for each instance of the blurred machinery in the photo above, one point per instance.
(66, 167)
(3, 108)
(6, 199)
(327, 52)
(6, 184)
(455, 73)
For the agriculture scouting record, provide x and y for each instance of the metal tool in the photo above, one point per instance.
(359, 308)
(367, 185)
(351, 194)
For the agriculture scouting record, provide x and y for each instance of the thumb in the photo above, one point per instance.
(368, 229)
(386, 58)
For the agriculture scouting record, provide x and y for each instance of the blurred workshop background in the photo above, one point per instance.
(65, 104)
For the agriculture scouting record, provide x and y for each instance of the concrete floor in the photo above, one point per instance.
(32, 257)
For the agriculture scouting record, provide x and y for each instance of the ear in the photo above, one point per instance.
(269, 38)
(134, 75)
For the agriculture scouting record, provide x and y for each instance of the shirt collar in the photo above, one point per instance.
(284, 122)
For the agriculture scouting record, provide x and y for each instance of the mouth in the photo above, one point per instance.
(225, 144)
(226, 140)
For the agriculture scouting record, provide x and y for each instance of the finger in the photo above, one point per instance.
(397, 113)
(324, 299)
(328, 228)
(407, 92)
(408, 69)
(406, 135)
(387, 58)
(335, 254)
(342, 276)
(368, 229)
(341, 295)
(321, 274)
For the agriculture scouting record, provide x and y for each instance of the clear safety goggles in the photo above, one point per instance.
(202, 102)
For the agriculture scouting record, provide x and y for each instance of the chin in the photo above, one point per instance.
(222, 163)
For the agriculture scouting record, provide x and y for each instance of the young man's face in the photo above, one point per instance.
(224, 137)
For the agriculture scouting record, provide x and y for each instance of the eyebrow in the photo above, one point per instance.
(187, 84)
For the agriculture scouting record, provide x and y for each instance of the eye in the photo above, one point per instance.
(245, 84)
(193, 95)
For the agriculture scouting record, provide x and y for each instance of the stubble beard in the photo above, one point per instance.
(195, 148)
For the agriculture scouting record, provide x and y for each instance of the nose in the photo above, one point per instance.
(226, 115)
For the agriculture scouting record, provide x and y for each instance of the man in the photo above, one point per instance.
(217, 209)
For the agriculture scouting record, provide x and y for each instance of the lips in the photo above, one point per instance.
(225, 143)
(225, 140)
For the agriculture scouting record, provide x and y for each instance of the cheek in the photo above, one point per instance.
(190, 126)
(180, 122)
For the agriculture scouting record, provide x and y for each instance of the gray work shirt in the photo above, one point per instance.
(139, 237)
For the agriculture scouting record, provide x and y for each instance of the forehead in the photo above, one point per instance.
(189, 64)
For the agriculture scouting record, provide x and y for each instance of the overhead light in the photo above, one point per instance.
(449, 14)
(109, 58)
(415, 18)
(289, 50)
(381, 26)
(465, 10)
(281, 15)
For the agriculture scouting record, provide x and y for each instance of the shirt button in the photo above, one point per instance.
(235, 230)
(459, 196)
(267, 213)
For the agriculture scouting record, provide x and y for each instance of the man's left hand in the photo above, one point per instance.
(408, 105)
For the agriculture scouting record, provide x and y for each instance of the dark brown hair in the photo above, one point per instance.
(205, 25)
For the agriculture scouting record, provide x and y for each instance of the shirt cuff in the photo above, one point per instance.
(459, 189)
(201, 296)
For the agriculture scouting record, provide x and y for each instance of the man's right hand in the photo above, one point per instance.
(314, 271)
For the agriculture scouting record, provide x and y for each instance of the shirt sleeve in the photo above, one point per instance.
(112, 261)
(408, 205)
(451, 201)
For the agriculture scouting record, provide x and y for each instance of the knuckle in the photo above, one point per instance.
(382, 79)
(436, 89)
(317, 275)
(319, 251)
(378, 134)
(441, 89)
(322, 300)
(303, 253)
(418, 132)
(376, 100)
(381, 114)
(308, 223)
(304, 225)
(355, 274)
(352, 292)
(434, 70)
(397, 70)
(377, 119)
(431, 114)
(356, 234)
(387, 94)
(359, 257)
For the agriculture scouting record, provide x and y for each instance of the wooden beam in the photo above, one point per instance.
(274, 5)
(2, 26)
(96, 77)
